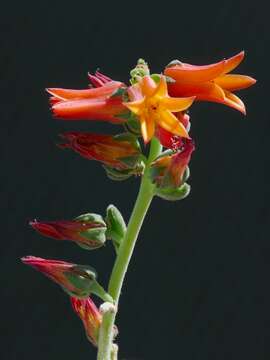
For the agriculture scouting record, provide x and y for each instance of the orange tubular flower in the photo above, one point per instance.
(90, 316)
(108, 149)
(88, 104)
(210, 82)
(151, 103)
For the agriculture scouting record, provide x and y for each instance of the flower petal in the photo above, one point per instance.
(233, 62)
(170, 123)
(135, 106)
(89, 109)
(235, 102)
(234, 82)
(134, 92)
(148, 86)
(100, 92)
(177, 104)
(147, 128)
(206, 89)
(193, 73)
(161, 89)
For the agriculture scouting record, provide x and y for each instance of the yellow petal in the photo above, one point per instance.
(177, 104)
(169, 122)
(234, 82)
(147, 128)
(161, 89)
(136, 106)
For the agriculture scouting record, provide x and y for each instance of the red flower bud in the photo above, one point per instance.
(90, 316)
(119, 151)
(168, 171)
(88, 230)
(76, 280)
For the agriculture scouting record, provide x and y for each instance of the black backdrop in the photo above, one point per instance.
(198, 285)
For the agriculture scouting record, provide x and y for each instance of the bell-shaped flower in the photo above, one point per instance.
(89, 104)
(168, 170)
(76, 280)
(209, 82)
(87, 230)
(120, 151)
(153, 106)
(90, 316)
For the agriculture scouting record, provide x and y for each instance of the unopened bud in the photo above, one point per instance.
(116, 226)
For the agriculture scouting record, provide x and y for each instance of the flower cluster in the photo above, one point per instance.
(151, 106)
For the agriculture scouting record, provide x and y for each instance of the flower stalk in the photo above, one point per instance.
(141, 206)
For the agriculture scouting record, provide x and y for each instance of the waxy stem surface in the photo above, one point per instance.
(141, 206)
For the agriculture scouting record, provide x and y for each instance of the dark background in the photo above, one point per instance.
(198, 284)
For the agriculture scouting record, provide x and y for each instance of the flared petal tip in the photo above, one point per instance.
(33, 223)
(50, 91)
(30, 260)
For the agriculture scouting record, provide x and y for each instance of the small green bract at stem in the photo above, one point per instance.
(116, 226)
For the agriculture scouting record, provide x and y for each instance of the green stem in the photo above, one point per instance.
(142, 204)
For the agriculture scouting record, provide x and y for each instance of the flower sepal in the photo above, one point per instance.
(96, 236)
(116, 226)
(120, 175)
(173, 194)
(132, 123)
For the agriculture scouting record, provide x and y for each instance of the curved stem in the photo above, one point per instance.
(142, 204)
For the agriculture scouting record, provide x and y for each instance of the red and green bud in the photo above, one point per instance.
(90, 316)
(168, 170)
(87, 230)
(121, 152)
(76, 280)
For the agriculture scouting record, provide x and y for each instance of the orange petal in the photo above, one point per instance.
(148, 86)
(147, 129)
(70, 94)
(177, 104)
(199, 90)
(88, 109)
(161, 89)
(234, 82)
(233, 101)
(169, 122)
(233, 62)
(194, 73)
(135, 106)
